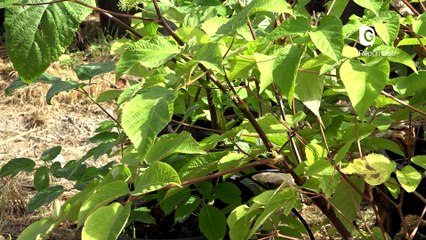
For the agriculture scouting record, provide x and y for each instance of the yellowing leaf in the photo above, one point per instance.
(374, 168)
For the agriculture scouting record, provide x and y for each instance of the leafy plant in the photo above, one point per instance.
(237, 113)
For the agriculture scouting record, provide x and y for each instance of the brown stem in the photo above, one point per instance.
(212, 109)
(422, 5)
(403, 103)
(165, 25)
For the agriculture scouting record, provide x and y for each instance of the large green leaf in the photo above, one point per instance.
(38, 35)
(44, 197)
(309, 88)
(409, 178)
(387, 26)
(146, 115)
(364, 82)
(102, 196)
(8, 3)
(328, 38)
(150, 53)
(172, 143)
(17, 165)
(397, 55)
(157, 176)
(38, 229)
(212, 223)
(285, 68)
(106, 223)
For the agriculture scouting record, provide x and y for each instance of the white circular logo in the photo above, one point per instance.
(367, 36)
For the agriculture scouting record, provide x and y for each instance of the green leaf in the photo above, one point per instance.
(374, 168)
(265, 64)
(88, 71)
(174, 197)
(418, 160)
(419, 25)
(309, 89)
(285, 68)
(329, 37)
(109, 95)
(408, 85)
(37, 36)
(143, 215)
(187, 208)
(106, 223)
(146, 115)
(383, 143)
(44, 197)
(156, 176)
(241, 67)
(397, 55)
(61, 86)
(172, 143)
(212, 222)
(187, 33)
(364, 82)
(240, 220)
(17, 165)
(41, 178)
(38, 229)
(51, 153)
(387, 26)
(272, 200)
(150, 53)
(228, 193)
(8, 3)
(201, 165)
(210, 56)
(298, 26)
(393, 186)
(102, 196)
(409, 178)
(239, 20)
(373, 5)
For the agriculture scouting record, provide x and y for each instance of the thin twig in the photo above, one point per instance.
(110, 15)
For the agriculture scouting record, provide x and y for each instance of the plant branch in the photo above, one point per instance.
(403, 103)
(282, 111)
(102, 108)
